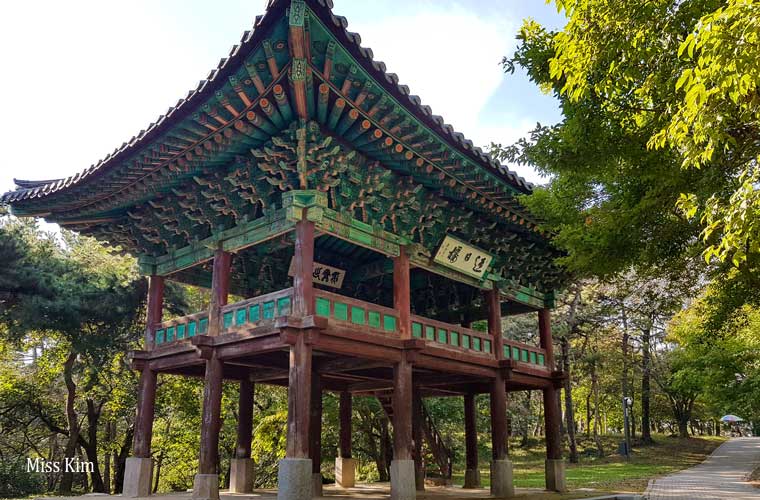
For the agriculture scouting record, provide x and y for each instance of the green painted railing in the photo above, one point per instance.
(181, 328)
(356, 313)
(466, 339)
(256, 311)
(450, 335)
(524, 353)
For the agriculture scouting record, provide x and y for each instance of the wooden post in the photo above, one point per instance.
(245, 420)
(545, 336)
(499, 419)
(501, 467)
(555, 466)
(220, 288)
(241, 465)
(211, 419)
(345, 466)
(494, 320)
(552, 424)
(402, 411)
(206, 483)
(145, 411)
(299, 399)
(155, 308)
(303, 267)
(346, 408)
(417, 435)
(402, 465)
(472, 471)
(402, 294)
(315, 433)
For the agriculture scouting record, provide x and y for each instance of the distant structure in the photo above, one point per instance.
(364, 235)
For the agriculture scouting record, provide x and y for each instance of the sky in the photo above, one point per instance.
(80, 78)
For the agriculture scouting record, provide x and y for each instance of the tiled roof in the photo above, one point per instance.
(28, 190)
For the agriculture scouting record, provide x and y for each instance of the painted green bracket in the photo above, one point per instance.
(511, 290)
(241, 236)
(345, 227)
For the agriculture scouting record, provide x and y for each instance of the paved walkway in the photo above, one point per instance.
(721, 476)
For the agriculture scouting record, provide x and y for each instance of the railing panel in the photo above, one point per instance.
(467, 339)
(256, 311)
(357, 313)
(181, 328)
(524, 353)
(457, 337)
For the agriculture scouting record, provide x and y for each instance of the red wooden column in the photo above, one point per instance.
(154, 308)
(472, 471)
(139, 467)
(402, 465)
(303, 266)
(545, 336)
(417, 436)
(206, 483)
(345, 465)
(494, 320)
(294, 475)
(315, 434)
(401, 293)
(555, 466)
(501, 467)
(241, 466)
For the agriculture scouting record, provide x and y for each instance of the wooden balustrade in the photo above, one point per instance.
(451, 335)
(467, 339)
(524, 353)
(256, 311)
(181, 328)
(363, 316)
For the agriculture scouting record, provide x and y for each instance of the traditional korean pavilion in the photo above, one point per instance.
(362, 232)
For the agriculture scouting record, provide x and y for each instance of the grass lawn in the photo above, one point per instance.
(613, 472)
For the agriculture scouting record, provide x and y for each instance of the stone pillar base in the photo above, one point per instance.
(471, 479)
(402, 480)
(555, 475)
(345, 472)
(316, 484)
(206, 487)
(241, 475)
(501, 479)
(294, 481)
(137, 477)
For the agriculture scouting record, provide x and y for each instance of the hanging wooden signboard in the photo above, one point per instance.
(324, 274)
(463, 257)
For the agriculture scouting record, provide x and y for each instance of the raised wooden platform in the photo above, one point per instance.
(355, 344)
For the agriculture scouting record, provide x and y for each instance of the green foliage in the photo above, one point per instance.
(661, 107)
(16, 482)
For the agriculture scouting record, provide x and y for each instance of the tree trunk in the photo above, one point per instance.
(646, 353)
(386, 451)
(588, 414)
(107, 457)
(624, 347)
(595, 391)
(525, 427)
(91, 446)
(67, 478)
(569, 410)
(120, 463)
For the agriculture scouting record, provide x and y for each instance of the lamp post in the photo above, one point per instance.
(627, 404)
